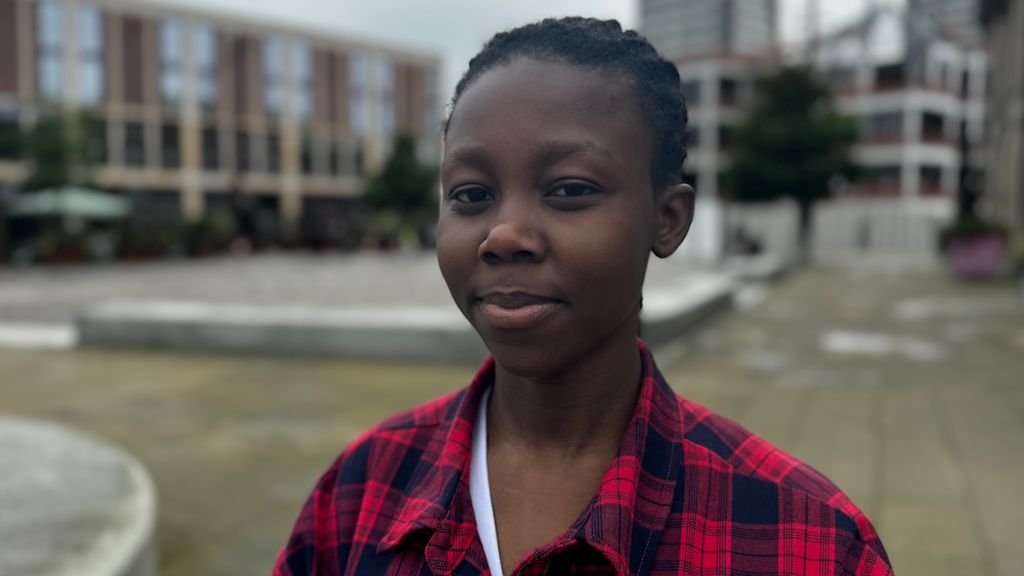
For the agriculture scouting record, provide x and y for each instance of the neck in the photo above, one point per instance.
(582, 411)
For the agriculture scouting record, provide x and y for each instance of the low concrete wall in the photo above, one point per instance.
(72, 505)
(404, 334)
(671, 312)
(413, 334)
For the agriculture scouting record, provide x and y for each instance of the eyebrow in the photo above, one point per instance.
(548, 152)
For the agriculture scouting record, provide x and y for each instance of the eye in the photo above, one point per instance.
(572, 190)
(471, 195)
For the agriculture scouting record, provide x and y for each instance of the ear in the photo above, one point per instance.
(674, 213)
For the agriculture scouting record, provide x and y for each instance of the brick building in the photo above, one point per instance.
(194, 111)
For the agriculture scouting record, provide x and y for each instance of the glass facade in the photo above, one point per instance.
(386, 83)
(49, 49)
(134, 144)
(206, 65)
(678, 29)
(171, 42)
(242, 162)
(302, 64)
(273, 75)
(90, 55)
(211, 148)
(359, 114)
(273, 153)
(170, 146)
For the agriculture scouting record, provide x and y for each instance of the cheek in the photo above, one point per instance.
(609, 265)
(456, 253)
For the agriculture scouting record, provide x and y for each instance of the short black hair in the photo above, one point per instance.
(601, 44)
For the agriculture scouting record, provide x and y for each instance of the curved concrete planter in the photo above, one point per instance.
(72, 504)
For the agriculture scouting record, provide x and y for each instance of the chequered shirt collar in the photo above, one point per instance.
(623, 522)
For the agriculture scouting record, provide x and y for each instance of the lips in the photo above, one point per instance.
(516, 310)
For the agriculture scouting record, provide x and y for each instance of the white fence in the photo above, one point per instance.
(843, 228)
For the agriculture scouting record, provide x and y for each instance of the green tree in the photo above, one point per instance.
(793, 144)
(405, 191)
(60, 148)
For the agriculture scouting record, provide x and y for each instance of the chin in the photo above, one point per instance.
(530, 360)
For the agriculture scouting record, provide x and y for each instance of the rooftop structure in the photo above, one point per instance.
(684, 29)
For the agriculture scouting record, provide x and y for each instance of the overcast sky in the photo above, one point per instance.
(457, 28)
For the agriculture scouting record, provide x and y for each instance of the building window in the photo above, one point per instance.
(931, 180)
(170, 146)
(211, 148)
(842, 78)
(332, 158)
(302, 63)
(890, 77)
(90, 56)
(357, 81)
(727, 92)
(134, 144)
(50, 48)
(273, 153)
(933, 128)
(96, 140)
(242, 160)
(386, 82)
(886, 180)
(691, 92)
(273, 77)
(693, 137)
(350, 157)
(884, 127)
(691, 179)
(725, 138)
(206, 65)
(307, 155)
(10, 135)
(170, 61)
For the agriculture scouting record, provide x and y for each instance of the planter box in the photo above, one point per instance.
(977, 257)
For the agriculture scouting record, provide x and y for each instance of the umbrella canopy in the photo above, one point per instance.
(68, 201)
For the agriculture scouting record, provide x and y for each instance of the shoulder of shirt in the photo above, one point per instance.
(423, 419)
(434, 413)
(743, 453)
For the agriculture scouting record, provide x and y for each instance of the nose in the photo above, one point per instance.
(513, 238)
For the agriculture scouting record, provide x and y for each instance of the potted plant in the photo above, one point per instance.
(975, 249)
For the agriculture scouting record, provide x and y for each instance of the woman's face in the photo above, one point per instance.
(548, 214)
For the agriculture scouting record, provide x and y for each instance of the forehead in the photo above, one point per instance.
(529, 102)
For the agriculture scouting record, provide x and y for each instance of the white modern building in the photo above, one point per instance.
(719, 93)
(720, 47)
(911, 103)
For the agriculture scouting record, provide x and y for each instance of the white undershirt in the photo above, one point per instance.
(480, 490)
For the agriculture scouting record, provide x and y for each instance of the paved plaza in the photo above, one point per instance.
(905, 388)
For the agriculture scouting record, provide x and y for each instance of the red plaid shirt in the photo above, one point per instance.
(690, 492)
